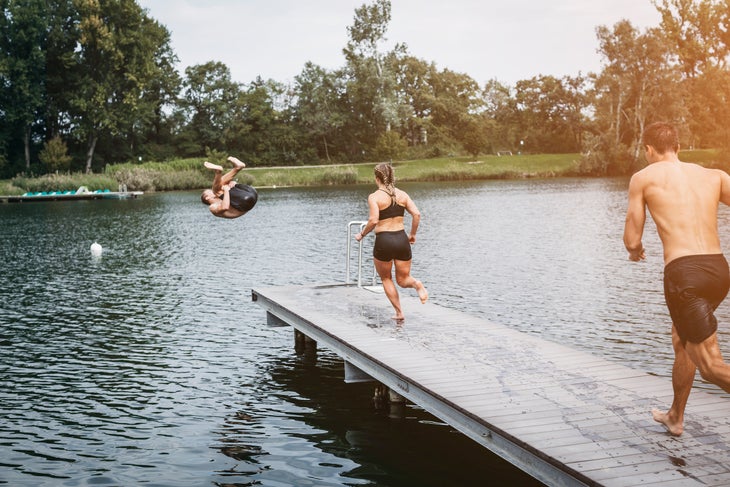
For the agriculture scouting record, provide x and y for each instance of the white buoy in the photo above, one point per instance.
(95, 249)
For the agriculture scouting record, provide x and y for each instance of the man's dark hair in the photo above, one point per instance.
(662, 136)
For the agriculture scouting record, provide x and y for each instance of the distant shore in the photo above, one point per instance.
(189, 174)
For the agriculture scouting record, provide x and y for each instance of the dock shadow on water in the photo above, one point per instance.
(149, 364)
(337, 436)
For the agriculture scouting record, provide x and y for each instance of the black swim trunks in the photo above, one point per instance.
(694, 286)
(392, 245)
(243, 197)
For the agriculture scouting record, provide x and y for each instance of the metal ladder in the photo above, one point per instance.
(350, 241)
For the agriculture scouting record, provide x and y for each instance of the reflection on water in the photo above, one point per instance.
(150, 364)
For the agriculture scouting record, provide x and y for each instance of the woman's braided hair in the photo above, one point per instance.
(384, 173)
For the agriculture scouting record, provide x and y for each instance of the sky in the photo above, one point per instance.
(506, 40)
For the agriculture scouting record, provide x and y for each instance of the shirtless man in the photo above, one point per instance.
(683, 199)
(228, 199)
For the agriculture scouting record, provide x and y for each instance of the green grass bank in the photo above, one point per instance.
(184, 174)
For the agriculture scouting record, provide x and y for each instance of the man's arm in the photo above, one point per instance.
(219, 208)
(724, 187)
(635, 219)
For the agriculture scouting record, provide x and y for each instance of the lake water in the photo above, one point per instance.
(152, 366)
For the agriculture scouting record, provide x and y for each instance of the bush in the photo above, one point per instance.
(151, 179)
(389, 146)
(605, 159)
(55, 155)
(8, 188)
(339, 175)
(65, 182)
(308, 176)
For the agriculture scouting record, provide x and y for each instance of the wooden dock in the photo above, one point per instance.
(563, 416)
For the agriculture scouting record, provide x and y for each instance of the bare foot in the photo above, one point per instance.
(236, 162)
(675, 429)
(212, 166)
(398, 319)
(422, 293)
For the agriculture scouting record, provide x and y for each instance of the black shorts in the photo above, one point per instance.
(392, 245)
(694, 286)
(243, 197)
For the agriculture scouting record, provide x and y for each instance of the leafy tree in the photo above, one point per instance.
(116, 58)
(61, 76)
(456, 98)
(414, 90)
(370, 84)
(152, 124)
(208, 97)
(707, 100)
(550, 112)
(694, 28)
(318, 105)
(500, 108)
(475, 137)
(261, 130)
(22, 63)
(638, 82)
(698, 34)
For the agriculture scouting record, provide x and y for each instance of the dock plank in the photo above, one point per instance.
(562, 415)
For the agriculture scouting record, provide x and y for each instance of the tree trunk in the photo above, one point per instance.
(26, 142)
(326, 150)
(640, 117)
(90, 154)
(619, 109)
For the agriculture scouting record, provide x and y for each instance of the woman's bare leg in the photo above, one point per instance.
(384, 270)
(404, 279)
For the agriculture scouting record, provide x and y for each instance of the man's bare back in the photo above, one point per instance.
(683, 200)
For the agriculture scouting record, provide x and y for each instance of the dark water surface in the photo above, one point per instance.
(151, 366)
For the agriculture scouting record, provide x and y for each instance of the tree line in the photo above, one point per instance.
(86, 83)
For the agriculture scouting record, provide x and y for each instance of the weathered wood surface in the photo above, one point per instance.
(562, 415)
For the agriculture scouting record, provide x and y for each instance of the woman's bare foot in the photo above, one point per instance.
(398, 319)
(214, 167)
(239, 164)
(675, 429)
(422, 293)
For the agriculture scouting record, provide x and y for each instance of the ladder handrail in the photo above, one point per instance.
(361, 224)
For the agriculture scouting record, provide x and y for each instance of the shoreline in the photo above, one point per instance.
(188, 174)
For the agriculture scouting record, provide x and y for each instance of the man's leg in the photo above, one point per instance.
(220, 179)
(237, 166)
(683, 375)
(709, 360)
(217, 185)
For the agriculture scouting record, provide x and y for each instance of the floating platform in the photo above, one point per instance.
(71, 195)
(564, 416)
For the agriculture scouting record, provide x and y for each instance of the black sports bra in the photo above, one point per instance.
(393, 210)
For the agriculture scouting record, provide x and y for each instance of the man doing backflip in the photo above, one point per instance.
(683, 200)
(228, 199)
